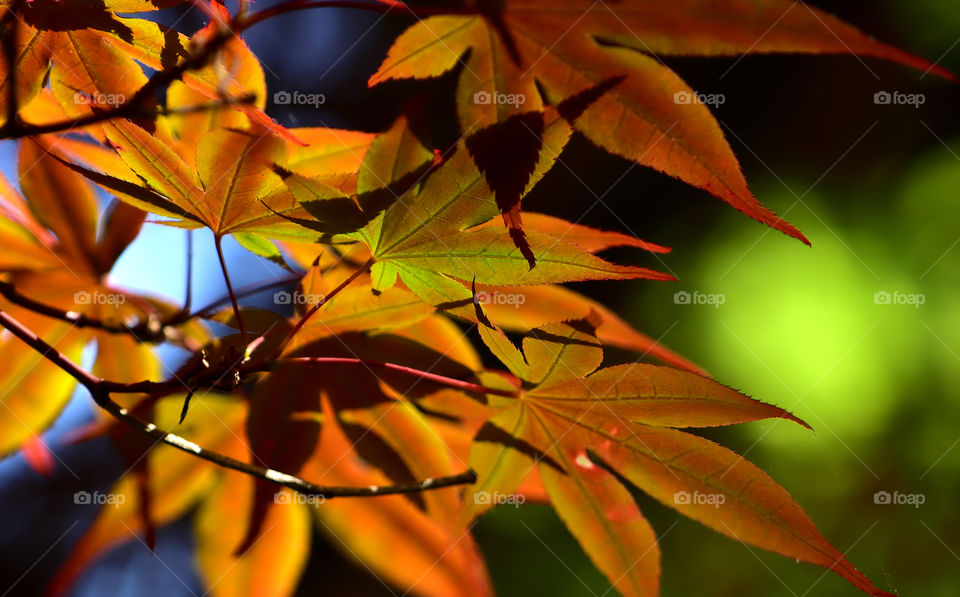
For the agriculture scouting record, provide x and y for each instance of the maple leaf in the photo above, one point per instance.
(593, 433)
(92, 55)
(417, 549)
(60, 257)
(249, 183)
(371, 387)
(597, 62)
(431, 236)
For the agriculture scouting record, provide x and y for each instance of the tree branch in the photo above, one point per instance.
(100, 391)
(149, 330)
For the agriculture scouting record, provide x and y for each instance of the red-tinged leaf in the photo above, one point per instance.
(508, 178)
(105, 168)
(601, 514)
(567, 414)
(595, 63)
(658, 396)
(389, 534)
(671, 465)
(411, 437)
(241, 182)
(273, 564)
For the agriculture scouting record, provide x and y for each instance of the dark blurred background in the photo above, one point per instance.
(874, 187)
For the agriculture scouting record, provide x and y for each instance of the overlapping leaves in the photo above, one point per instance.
(588, 431)
(599, 64)
(562, 429)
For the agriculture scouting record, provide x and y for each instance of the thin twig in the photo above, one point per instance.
(100, 391)
(188, 298)
(233, 298)
(425, 375)
(243, 292)
(306, 316)
(380, 7)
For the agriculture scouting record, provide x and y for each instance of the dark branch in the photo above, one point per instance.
(100, 391)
